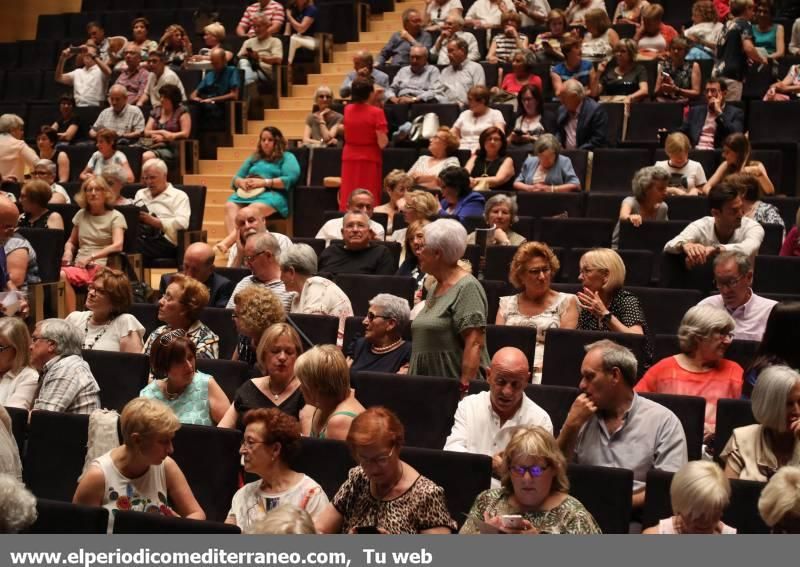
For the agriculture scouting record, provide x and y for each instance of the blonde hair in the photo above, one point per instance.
(677, 142)
(148, 418)
(16, 332)
(422, 203)
(700, 490)
(397, 178)
(599, 18)
(527, 252)
(258, 308)
(323, 370)
(286, 519)
(100, 182)
(216, 29)
(539, 443)
(781, 496)
(271, 336)
(608, 260)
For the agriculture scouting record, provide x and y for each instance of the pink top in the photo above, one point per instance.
(512, 85)
(668, 377)
(706, 141)
(791, 244)
(667, 526)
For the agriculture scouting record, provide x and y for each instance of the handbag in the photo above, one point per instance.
(249, 193)
(424, 127)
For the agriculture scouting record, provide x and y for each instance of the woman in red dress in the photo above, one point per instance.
(365, 136)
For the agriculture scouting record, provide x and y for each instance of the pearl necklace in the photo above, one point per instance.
(97, 337)
(387, 348)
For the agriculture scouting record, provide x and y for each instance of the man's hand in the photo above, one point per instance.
(407, 36)
(697, 254)
(498, 464)
(581, 411)
(149, 220)
(715, 105)
(363, 72)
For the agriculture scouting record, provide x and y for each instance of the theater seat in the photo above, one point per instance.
(229, 374)
(120, 375)
(605, 492)
(657, 501)
(361, 288)
(523, 338)
(19, 422)
(576, 233)
(664, 308)
(327, 461)
(730, 415)
(149, 523)
(54, 517)
(776, 274)
(320, 329)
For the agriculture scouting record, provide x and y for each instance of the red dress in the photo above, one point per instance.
(362, 157)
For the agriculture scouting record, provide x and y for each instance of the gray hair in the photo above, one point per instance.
(781, 496)
(10, 121)
(616, 356)
(572, 86)
(301, 258)
(455, 19)
(17, 505)
(357, 192)
(66, 336)
(645, 177)
(743, 262)
(407, 14)
(460, 42)
(393, 307)
(502, 199)
(547, 142)
(113, 173)
(157, 164)
(355, 214)
(322, 89)
(265, 242)
(528, 56)
(700, 322)
(118, 89)
(283, 520)
(769, 396)
(51, 167)
(449, 237)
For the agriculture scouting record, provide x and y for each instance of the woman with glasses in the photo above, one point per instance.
(538, 305)
(384, 494)
(383, 348)
(622, 79)
(331, 404)
(442, 147)
(535, 489)
(324, 126)
(106, 324)
(255, 309)
(45, 170)
(34, 197)
(270, 442)
(701, 368)
(279, 388)
(194, 396)
(490, 167)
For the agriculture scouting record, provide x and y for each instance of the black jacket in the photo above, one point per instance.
(219, 287)
(729, 122)
(592, 129)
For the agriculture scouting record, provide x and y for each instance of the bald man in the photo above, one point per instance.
(250, 220)
(218, 86)
(198, 263)
(485, 422)
(123, 118)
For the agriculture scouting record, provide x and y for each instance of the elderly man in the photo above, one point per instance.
(363, 66)
(733, 276)
(460, 76)
(219, 85)
(453, 27)
(45, 170)
(134, 77)
(89, 79)
(250, 220)
(167, 212)
(725, 229)
(123, 118)
(160, 75)
(582, 122)
(485, 422)
(259, 53)
(610, 425)
(198, 263)
(415, 82)
(357, 255)
(273, 12)
(66, 381)
(707, 125)
(396, 51)
(262, 255)
(360, 200)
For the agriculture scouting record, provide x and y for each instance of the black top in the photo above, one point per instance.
(486, 168)
(62, 126)
(41, 222)
(245, 350)
(248, 397)
(365, 359)
(627, 84)
(626, 307)
(219, 287)
(731, 58)
(377, 259)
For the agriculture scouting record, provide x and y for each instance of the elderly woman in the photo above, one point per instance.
(15, 154)
(687, 176)
(547, 46)
(600, 38)
(313, 294)
(277, 353)
(490, 167)
(106, 324)
(779, 503)
(46, 142)
(382, 348)
(270, 442)
(255, 309)
(301, 16)
(699, 492)
(756, 452)
(548, 170)
(396, 183)
(701, 368)
(442, 147)
(448, 335)
(477, 118)
(629, 11)
(324, 127)
(458, 198)
(529, 124)
(98, 231)
(522, 74)
(331, 404)
(649, 186)
(500, 212)
(168, 123)
(622, 79)
(213, 37)
(654, 37)
(34, 197)
(46, 170)
(179, 308)
(106, 154)
(506, 44)
(19, 382)
(383, 492)
(678, 80)
(538, 305)
(574, 65)
(116, 177)
(535, 487)
(736, 159)
(194, 396)
(21, 266)
(140, 474)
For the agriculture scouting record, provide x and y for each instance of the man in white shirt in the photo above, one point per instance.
(733, 276)
(88, 81)
(485, 422)
(533, 12)
(160, 75)
(168, 211)
(725, 229)
(453, 27)
(460, 76)
(250, 221)
(360, 200)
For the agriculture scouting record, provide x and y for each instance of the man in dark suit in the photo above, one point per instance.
(582, 122)
(198, 263)
(708, 125)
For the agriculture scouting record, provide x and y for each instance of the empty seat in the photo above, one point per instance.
(120, 375)
(149, 523)
(730, 415)
(689, 207)
(495, 289)
(773, 121)
(147, 315)
(498, 262)
(397, 158)
(613, 169)
(673, 273)
(652, 235)
(320, 329)
(523, 338)
(580, 163)
(606, 494)
(54, 517)
(229, 374)
(361, 288)
(776, 274)
(576, 233)
(324, 162)
(23, 85)
(604, 205)
(540, 205)
(691, 411)
(318, 244)
(616, 120)
(327, 461)
(664, 308)
(646, 119)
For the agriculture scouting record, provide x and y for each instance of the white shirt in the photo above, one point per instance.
(168, 77)
(89, 86)
(539, 7)
(750, 317)
(692, 171)
(488, 12)
(56, 188)
(323, 297)
(576, 13)
(332, 230)
(18, 389)
(746, 239)
(108, 336)
(438, 12)
(470, 127)
(172, 208)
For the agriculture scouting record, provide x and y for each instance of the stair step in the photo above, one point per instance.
(238, 154)
(286, 114)
(292, 128)
(219, 167)
(217, 198)
(211, 181)
(297, 103)
(332, 80)
(371, 46)
(337, 67)
(374, 35)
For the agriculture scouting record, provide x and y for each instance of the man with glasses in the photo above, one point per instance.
(360, 200)
(250, 221)
(733, 276)
(66, 381)
(198, 263)
(262, 255)
(356, 255)
(363, 66)
(707, 125)
(45, 170)
(485, 422)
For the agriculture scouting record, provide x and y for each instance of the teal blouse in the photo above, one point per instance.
(286, 169)
(191, 406)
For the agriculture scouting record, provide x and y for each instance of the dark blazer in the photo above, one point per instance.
(219, 287)
(730, 121)
(592, 130)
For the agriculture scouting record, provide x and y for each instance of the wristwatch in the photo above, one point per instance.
(606, 319)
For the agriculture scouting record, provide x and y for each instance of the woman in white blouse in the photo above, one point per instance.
(106, 323)
(477, 118)
(18, 381)
(437, 10)
(442, 147)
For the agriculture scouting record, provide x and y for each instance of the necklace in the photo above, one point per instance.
(278, 395)
(387, 348)
(171, 396)
(86, 344)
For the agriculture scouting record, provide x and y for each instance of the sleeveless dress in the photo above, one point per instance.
(191, 406)
(321, 433)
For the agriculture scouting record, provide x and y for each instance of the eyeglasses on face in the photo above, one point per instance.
(37, 338)
(324, 96)
(536, 272)
(372, 316)
(249, 444)
(534, 470)
(728, 283)
(4, 348)
(249, 259)
(379, 461)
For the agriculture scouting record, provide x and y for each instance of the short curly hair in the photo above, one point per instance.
(258, 309)
(527, 252)
(279, 427)
(422, 203)
(194, 295)
(452, 142)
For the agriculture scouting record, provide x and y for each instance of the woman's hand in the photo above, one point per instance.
(794, 427)
(601, 67)
(753, 170)
(538, 187)
(590, 301)
(635, 220)
(500, 237)
(497, 522)
(84, 263)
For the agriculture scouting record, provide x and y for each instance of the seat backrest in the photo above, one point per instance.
(131, 215)
(652, 235)
(523, 338)
(742, 512)
(498, 262)
(657, 501)
(229, 374)
(221, 322)
(67, 211)
(55, 517)
(324, 162)
(687, 207)
(361, 288)
(149, 523)
(730, 415)
(235, 275)
(447, 113)
(576, 233)
(49, 246)
(321, 329)
(147, 315)
(580, 163)
(606, 494)
(691, 410)
(425, 405)
(673, 273)
(19, 422)
(197, 202)
(773, 121)
(647, 119)
(325, 460)
(664, 308)
(495, 289)
(542, 205)
(318, 244)
(776, 274)
(120, 375)
(604, 205)
(613, 168)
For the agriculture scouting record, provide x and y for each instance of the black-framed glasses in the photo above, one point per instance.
(372, 316)
(248, 444)
(248, 259)
(534, 470)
